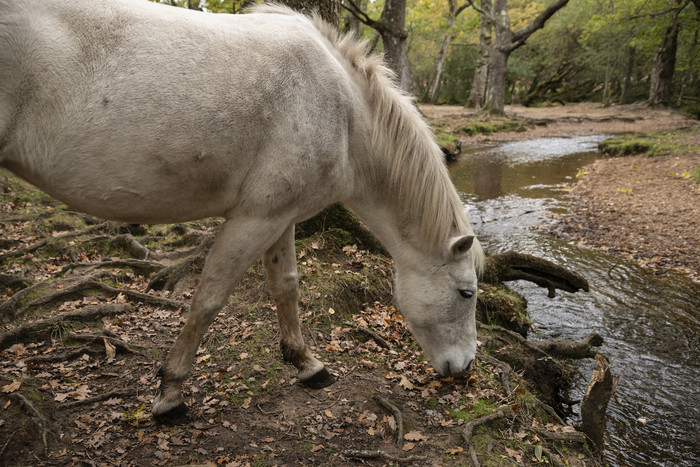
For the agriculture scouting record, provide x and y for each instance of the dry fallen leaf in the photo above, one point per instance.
(408, 446)
(455, 451)
(415, 436)
(317, 447)
(405, 383)
(110, 350)
(515, 455)
(12, 387)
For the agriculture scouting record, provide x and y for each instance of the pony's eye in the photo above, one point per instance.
(466, 293)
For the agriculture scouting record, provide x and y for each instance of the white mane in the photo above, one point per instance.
(415, 163)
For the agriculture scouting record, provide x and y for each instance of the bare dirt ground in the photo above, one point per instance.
(641, 206)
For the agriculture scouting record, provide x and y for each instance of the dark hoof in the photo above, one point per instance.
(174, 416)
(322, 379)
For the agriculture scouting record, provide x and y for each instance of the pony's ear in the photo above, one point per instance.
(458, 247)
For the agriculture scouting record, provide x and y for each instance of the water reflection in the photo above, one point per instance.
(650, 322)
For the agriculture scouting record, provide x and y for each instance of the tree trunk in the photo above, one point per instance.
(496, 82)
(481, 73)
(329, 10)
(442, 54)
(505, 42)
(352, 22)
(394, 37)
(391, 28)
(664, 66)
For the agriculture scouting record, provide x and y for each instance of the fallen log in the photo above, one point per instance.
(512, 266)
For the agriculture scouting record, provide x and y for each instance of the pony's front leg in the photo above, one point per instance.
(283, 282)
(238, 243)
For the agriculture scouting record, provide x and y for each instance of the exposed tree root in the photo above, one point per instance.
(554, 459)
(31, 328)
(37, 417)
(15, 281)
(562, 348)
(48, 240)
(511, 266)
(129, 243)
(356, 454)
(397, 418)
(565, 348)
(144, 266)
(504, 371)
(73, 287)
(468, 432)
(168, 278)
(572, 437)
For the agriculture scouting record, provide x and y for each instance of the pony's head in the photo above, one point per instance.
(439, 302)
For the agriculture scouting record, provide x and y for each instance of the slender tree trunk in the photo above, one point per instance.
(481, 72)
(628, 75)
(689, 74)
(442, 54)
(664, 66)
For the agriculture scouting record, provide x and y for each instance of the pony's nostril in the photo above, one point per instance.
(469, 366)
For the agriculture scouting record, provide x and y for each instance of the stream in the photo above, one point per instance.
(650, 321)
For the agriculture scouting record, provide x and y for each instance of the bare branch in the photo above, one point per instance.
(357, 12)
(521, 35)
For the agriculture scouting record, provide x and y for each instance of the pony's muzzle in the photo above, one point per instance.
(455, 369)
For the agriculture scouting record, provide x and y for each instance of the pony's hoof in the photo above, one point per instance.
(175, 416)
(321, 379)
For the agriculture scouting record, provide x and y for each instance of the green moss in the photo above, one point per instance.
(652, 144)
(487, 128)
(499, 305)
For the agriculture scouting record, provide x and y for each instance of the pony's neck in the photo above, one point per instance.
(397, 230)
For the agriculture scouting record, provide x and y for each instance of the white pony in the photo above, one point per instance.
(145, 113)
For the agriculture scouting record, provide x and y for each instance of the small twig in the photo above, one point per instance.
(6, 443)
(97, 398)
(468, 432)
(352, 453)
(397, 417)
(377, 338)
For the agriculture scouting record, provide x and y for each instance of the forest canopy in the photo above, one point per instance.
(608, 51)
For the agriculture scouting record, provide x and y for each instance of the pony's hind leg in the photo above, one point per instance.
(283, 282)
(238, 243)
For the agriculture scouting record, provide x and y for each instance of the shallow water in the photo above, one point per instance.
(650, 322)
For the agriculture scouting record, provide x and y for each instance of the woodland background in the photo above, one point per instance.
(589, 50)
